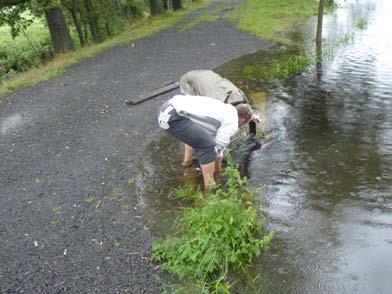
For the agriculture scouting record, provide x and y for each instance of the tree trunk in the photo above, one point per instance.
(156, 7)
(58, 29)
(117, 7)
(108, 30)
(165, 5)
(85, 32)
(319, 33)
(176, 4)
(92, 20)
(78, 26)
(319, 36)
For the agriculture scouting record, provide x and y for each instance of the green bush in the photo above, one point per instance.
(361, 23)
(19, 54)
(19, 59)
(222, 233)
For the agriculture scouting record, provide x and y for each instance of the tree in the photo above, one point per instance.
(58, 28)
(156, 7)
(319, 36)
(59, 33)
(92, 17)
(176, 4)
(73, 7)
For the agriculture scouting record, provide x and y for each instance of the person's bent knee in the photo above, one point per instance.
(207, 156)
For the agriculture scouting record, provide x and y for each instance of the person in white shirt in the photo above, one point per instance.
(205, 125)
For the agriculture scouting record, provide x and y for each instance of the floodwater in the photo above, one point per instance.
(326, 170)
(325, 165)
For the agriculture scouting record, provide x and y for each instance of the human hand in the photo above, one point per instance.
(256, 118)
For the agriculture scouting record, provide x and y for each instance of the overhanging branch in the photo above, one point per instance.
(12, 2)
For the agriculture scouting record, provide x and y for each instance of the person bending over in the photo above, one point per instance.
(205, 125)
(210, 84)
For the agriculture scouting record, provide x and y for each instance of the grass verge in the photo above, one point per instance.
(272, 20)
(203, 18)
(208, 16)
(56, 66)
(221, 234)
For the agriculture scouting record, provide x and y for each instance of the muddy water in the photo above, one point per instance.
(326, 165)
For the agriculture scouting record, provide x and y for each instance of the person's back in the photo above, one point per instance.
(208, 83)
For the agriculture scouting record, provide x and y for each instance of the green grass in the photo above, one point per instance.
(272, 20)
(221, 234)
(280, 65)
(57, 65)
(36, 32)
(26, 50)
(203, 18)
(361, 23)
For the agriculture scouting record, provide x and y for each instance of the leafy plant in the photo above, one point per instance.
(361, 23)
(221, 234)
(284, 67)
(189, 192)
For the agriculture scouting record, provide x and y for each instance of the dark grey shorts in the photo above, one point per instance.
(191, 134)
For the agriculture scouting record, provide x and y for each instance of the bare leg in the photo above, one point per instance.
(208, 174)
(188, 155)
(218, 166)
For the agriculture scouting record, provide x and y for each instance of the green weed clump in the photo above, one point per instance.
(281, 68)
(361, 23)
(222, 233)
(292, 65)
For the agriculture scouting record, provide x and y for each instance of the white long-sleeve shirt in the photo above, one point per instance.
(217, 118)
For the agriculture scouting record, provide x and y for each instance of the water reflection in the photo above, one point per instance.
(159, 174)
(329, 177)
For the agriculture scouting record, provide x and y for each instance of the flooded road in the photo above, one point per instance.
(326, 170)
(325, 165)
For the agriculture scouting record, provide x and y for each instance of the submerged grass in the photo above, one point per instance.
(280, 68)
(56, 66)
(222, 233)
(361, 23)
(272, 20)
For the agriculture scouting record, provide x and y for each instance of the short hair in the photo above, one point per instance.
(244, 111)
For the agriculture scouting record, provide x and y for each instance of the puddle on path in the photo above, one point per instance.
(11, 123)
(161, 172)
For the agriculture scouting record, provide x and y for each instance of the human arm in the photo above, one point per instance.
(223, 135)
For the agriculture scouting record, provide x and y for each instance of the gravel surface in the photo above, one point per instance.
(69, 148)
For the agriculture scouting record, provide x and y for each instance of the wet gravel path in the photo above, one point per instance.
(69, 149)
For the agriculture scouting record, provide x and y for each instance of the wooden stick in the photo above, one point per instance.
(167, 88)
